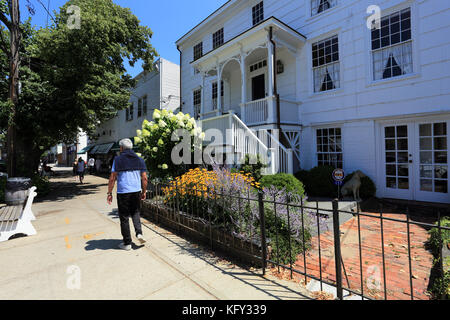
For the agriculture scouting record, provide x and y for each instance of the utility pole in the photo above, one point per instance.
(13, 82)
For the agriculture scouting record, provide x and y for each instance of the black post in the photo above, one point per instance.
(337, 249)
(263, 231)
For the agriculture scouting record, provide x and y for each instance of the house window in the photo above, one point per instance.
(198, 51)
(259, 65)
(326, 69)
(318, 6)
(329, 147)
(392, 46)
(144, 104)
(129, 112)
(214, 93)
(139, 108)
(132, 111)
(218, 39)
(214, 89)
(197, 103)
(258, 13)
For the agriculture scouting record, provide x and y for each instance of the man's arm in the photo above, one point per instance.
(112, 182)
(144, 183)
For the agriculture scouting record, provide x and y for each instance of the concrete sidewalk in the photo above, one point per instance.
(74, 256)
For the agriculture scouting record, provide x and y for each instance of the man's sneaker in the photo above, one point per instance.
(126, 247)
(141, 239)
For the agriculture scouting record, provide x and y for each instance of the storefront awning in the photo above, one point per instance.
(102, 148)
(86, 149)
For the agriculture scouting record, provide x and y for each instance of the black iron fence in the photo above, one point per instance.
(355, 253)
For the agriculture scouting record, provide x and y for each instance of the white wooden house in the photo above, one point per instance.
(158, 89)
(328, 88)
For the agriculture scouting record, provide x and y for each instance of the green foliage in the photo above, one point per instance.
(368, 188)
(284, 181)
(73, 78)
(318, 181)
(282, 241)
(434, 240)
(155, 143)
(254, 165)
(2, 188)
(440, 287)
(42, 185)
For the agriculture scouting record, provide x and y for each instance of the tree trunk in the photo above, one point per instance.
(13, 83)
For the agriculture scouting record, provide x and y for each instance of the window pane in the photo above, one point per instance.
(426, 144)
(440, 129)
(426, 185)
(426, 171)
(441, 186)
(391, 182)
(440, 143)
(389, 132)
(390, 144)
(440, 157)
(441, 172)
(403, 183)
(425, 130)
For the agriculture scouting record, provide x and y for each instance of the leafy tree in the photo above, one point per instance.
(75, 79)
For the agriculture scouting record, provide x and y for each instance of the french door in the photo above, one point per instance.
(416, 160)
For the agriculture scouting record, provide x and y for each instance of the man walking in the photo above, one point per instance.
(130, 172)
(81, 166)
(91, 164)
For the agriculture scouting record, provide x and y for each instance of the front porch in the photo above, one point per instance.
(254, 76)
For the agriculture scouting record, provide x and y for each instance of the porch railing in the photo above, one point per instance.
(257, 111)
(285, 162)
(365, 264)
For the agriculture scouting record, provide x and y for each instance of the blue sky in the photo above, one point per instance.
(168, 19)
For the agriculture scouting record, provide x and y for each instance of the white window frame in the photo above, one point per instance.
(310, 57)
(415, 27)
(261, 3)
(221, 31)
(316, 152)
(311, 14)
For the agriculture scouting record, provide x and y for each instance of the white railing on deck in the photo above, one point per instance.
(284, 156)
(256, 112)
(244, 141)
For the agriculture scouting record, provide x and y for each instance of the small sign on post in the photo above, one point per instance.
(338, 177)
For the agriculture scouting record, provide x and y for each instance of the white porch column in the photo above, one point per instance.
(219, 90)
(202, 105)
(244, 86)
(270, 79)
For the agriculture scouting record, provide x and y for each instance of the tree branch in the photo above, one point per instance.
(5, 21)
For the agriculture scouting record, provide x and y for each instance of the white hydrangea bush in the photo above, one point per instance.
(155, 142)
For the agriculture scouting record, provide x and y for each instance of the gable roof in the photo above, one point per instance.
(225, 6)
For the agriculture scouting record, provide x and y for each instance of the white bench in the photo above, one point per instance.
(16, 220)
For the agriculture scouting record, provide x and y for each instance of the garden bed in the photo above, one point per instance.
(245, 251)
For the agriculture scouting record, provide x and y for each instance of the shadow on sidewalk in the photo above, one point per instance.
(64, 190)
(251, 278)
(107, 244)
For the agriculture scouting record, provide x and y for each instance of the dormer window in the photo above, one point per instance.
(319, 6)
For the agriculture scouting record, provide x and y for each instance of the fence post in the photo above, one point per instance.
(337, 249)
(263, 231)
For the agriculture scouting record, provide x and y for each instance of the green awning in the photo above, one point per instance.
(86, 149)
(102, 148)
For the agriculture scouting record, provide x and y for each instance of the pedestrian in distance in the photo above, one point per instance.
(130, 172)
(91, 164)
(81, 167)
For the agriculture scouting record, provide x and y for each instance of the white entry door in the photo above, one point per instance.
(416, 160)
(397, 154)
(432, 148)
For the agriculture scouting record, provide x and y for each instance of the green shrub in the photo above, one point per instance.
(368, 188)
(434, 240)
(284, 181)
(278, 234)
(253, 164)
(2, 188)
(318, 181)
(42, 185)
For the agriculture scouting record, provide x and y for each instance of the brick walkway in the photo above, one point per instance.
(396, 258)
